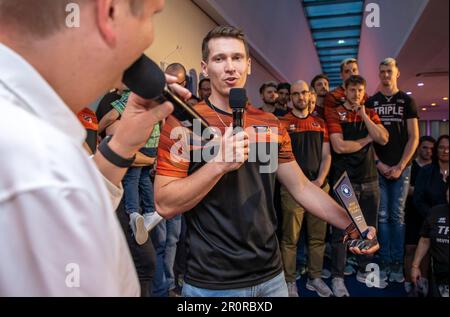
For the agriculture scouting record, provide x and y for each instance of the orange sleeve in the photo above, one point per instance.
(173, 150)
(332, 119)
(88, 119)
(285, 154)
(374, 116)
(326, 137)
(285, 122)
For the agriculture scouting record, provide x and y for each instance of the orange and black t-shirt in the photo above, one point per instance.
(360, 165)
(307, 137)
(231, 240)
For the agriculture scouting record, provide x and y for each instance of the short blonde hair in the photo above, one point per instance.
(347, 61)
(389, 61)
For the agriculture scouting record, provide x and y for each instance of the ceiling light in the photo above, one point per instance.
(445, 98)
(434, 104)
(409, 93)
(341, 42)
(420, 84)
(424, 109)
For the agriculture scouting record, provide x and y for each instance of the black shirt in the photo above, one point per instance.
(307, 138)
(435, 227)
(394, 111)
(230, 241)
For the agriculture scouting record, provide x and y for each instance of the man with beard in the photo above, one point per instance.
(283, 91)
(269, 96)
(311, 148)
(321, 85)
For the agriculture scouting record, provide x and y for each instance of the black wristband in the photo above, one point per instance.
(112, 156)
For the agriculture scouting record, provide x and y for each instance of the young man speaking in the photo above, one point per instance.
(231, 241)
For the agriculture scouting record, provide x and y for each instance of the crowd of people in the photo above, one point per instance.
(209, 227)
(373, 139)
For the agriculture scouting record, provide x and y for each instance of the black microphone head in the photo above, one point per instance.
(145, 78)
(238, 98)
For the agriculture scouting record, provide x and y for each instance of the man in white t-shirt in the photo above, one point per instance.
(59, 235)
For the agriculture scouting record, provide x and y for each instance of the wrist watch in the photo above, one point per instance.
(112, 156)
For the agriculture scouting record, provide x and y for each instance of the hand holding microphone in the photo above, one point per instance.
(137, 122)
(234, 147)
(146, 79)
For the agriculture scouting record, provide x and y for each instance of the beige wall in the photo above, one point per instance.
(182, 24)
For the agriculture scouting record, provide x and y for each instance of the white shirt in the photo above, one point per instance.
(59, 234)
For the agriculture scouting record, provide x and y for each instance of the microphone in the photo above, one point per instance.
(148, 81)
(238, 101)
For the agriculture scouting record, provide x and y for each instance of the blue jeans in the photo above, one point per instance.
(138, 190)
(391, 217)
(165, 237)
(276, 287)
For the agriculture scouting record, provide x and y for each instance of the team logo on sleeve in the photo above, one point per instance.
(342, 116)
(292, 127)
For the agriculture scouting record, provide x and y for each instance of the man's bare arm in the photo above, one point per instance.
(177, 195)
(312, 198)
